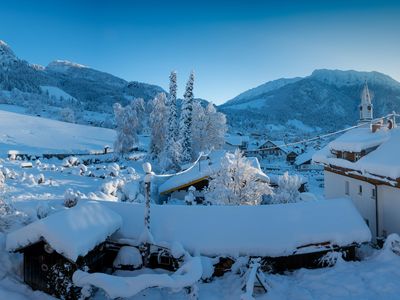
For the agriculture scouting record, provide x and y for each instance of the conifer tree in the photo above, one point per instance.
(169, 158)
(185, 126)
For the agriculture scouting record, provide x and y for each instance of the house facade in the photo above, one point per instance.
(364, 165)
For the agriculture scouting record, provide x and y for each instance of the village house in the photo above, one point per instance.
(364, 165)
(56, 246)
(177, 186)
(266, 149)
(233, 142)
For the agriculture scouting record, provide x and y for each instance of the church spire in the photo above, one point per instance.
(366, 106)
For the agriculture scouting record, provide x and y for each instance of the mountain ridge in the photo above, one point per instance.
(326, 98)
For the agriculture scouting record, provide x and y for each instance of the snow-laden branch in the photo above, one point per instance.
(116, 286)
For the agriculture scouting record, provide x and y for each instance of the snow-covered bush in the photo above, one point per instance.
(392, 243)
(131, 191)
(110, 188)
(288, 189)
(10, 174)
(71, 198)
(128, 258)
(113, 169)
(60, 275)
(42, 210)
(40, 179)
(69, 162)
(331, 258)
(236, 182)
(190, 197)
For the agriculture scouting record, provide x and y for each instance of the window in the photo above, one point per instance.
(373, 193)
(347, 188)
(360, 189)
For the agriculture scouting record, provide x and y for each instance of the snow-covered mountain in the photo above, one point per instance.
(327, 99)
(96, 90)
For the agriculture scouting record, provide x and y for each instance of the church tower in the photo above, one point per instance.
(366, 106)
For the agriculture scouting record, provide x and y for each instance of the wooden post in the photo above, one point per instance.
(147, 238)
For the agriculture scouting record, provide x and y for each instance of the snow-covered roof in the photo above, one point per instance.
(204, 169)
(266, 230)
(72, 232)
(304, 157)
(236, 140)
(384, 161)
(359, 139)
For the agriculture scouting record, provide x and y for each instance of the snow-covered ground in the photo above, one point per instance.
(34, 135)
(40, 190)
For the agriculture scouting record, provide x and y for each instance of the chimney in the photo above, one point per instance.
(376, 126)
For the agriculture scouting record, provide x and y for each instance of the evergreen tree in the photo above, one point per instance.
(185, 126)
(170, 156)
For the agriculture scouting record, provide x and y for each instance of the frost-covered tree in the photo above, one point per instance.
(185, 125)
(127, 125)
(236, 182)
(67, 115)
(171, 153)
(288, 189)
(208, 128)
(158, 126)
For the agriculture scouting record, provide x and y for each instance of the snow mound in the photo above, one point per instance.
(123, 287)
(72, 232)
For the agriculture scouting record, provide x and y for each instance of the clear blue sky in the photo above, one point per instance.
(231, 45)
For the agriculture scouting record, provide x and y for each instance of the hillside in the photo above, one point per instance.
(95, 90)
(327, 99)
(34, 135)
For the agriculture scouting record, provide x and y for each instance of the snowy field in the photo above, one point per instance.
(376, 276)
(35, 135)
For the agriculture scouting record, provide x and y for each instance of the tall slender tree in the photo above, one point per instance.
(169, 158)
(185, 125)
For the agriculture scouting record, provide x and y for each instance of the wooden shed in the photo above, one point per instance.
(58, 245)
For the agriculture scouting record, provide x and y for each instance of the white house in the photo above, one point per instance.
(233, 142)
(364, 165)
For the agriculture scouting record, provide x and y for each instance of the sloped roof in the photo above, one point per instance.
(236, 140)
(203, 170)
(304, 157)
(359, 139)
(263, 230)
(71, 232)
(383, 161)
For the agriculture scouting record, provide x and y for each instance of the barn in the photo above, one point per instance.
(56, 246)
